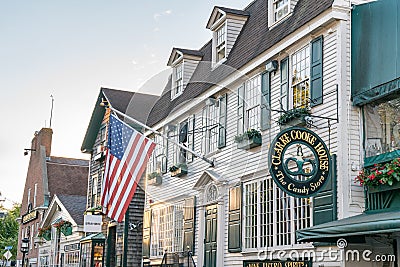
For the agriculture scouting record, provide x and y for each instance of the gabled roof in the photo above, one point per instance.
(75, 206)
(176, 52)
(224, 10)
(72, 208)
(134, 104)
(254, 39)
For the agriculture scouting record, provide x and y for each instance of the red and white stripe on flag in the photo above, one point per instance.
(126, 158)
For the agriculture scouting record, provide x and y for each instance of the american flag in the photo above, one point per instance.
(126, 158)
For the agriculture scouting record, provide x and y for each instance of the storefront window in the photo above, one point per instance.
(382, 127)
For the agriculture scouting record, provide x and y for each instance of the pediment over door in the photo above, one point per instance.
(208, 177)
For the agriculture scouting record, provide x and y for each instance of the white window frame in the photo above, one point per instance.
(271, 230)
(35, 195)
(300, 87)
(166, 230)
(177, 82)
(252, 97)
(29, 196)
(209, 128)
(276, 9)
(158, 156)
(94, 201)
(220, 42)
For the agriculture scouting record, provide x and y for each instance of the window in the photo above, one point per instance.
(301, 77)
(220, 43)
(382, 127)
(177, 88)
(166, 229)
(284, 83)
(271, 217)
(158, 161)
(29, 196)
(252, 102)
(34, 196)
(210, 123)
(281, 9)
(94, 200)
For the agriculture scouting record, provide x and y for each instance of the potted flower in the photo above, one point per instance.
(249, 139)
(294, 117)
(45, 233)
(154, 178)
(64, 226)
(178, 170)
(380, 177)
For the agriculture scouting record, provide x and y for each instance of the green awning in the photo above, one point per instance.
(356, 226)
(96, 237)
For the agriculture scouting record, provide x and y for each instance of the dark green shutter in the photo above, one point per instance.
(146, 233)
(284, 83)
(235, 219)
(188, 224)
(325, 202)
(191, 127)
(316, 71)
(240, 111)
(265, 101)
(222, 121)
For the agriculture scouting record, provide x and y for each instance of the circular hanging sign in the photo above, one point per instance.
(299, 162)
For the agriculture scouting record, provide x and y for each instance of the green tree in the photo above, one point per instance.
(9, 229)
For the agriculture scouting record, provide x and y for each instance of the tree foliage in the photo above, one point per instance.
(9, 229)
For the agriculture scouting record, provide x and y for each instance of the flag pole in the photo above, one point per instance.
(209, 161)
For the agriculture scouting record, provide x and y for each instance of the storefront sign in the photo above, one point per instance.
(71, 247)
(299, 162)
(92, 223)
(29, 216)
(277, 263)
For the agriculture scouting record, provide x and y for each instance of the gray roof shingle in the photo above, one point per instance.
(75, 206)
(254, 39)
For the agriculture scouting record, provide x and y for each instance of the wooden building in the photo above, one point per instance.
(123, 244)
(275, 64)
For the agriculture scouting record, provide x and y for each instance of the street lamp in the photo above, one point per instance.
(24, 249)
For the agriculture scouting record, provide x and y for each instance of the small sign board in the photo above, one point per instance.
(92, 223)
(7, 255)
(278, 263)
(8, 247)
(30, 216)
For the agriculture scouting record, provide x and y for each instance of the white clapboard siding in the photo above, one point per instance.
(234, 26)
(189, 66)
(235, 165)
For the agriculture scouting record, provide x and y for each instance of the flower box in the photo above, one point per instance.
(157, 180)
(249, 139)
(383, 187)
(248, 143)
(46, 235)
(294, 117)
(178, 170)
(66, 230)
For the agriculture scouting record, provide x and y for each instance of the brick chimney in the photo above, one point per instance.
(43, 138)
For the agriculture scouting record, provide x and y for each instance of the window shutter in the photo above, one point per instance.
(316, 71)
(284, 83)
(191, 127)
(188, 224)
(325, 202)
(240, 111)
(235, 219)
(222, 121)
(146, 233)
(265, 101)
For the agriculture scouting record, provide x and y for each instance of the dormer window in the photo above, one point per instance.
(226, 24)
(221, 43)
(178, 79)
(183, 63)
(281, 9)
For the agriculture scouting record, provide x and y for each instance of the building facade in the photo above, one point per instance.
(266, 66)
(123, 241)
(47, 175)
(61, 231)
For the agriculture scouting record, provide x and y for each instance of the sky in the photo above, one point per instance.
(70, 49)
